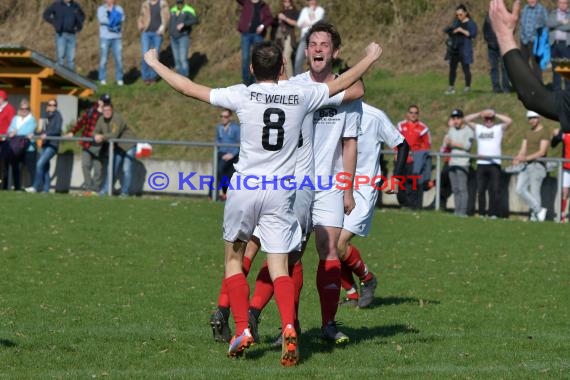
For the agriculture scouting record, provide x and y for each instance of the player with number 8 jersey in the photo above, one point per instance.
(270, 115)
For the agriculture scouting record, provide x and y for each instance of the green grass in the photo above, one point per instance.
(111, 288)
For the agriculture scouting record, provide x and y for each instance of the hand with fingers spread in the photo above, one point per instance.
(504, 23)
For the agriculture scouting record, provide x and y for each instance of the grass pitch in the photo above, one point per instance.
(113, 288)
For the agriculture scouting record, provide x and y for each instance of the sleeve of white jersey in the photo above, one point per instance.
(387, 132)
(316, 95)
(227, 97)
(353, 119)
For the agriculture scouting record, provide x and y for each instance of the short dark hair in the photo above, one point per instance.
(323, 26)
(266, 60)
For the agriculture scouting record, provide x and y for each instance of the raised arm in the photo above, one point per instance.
(178, 82)
(507, 121)
(373, 53)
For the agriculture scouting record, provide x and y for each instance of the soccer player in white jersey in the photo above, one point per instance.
(270, 115)
(375, 129)
(336, 130)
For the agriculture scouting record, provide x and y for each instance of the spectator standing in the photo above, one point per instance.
(93, 154)
(460, 50)
(418, 164)
(182, 18)
(111, 18)
(489, 136)
(558, 23)
(532, 20)
(22, 127)
(227, 132)
(497, 69)
(112, 126)
(52, 128)
(66, 17)
(529, 181)
(255, 19)
(7, 113)
(152, 23)
(285, 36)
(564, 138)
(310, 15)
(459, 139)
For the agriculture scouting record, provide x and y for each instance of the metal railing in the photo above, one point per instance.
(215, 146)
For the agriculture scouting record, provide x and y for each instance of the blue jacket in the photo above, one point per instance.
(28, 127)
(53, 127)
(461, 44)
(541, 48)
(65, 17)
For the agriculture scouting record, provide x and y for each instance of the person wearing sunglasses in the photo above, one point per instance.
(460, 47)
(21, 150)
(489, 137)
(52, 128)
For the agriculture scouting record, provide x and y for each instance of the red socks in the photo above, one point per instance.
(223, 299)
(563, 208)
(263, 289)
(353, 260)
(285, 298)
(346, 279)
(328, 285)
(238, 293)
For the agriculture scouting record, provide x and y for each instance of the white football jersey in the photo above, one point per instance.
(332, 123)
(270, 118)
(375, 129)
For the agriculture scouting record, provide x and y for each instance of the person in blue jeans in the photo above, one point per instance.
(112, 126)
(111, 18)
(254, 20)
(152, 23)
(66, 17)
(49, 149)
(182, 18)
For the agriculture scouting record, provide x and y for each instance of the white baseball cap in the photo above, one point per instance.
(531, 114)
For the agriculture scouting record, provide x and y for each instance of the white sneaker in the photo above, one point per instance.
(103, 83)
(466, 90)
(450, 91)
(120, 83)
(30, 189)
(541, 215)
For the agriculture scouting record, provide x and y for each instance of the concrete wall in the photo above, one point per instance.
(70, 177)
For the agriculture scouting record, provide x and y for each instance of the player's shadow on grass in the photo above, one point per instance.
(311, 342)
(7, 343)
(396, 300)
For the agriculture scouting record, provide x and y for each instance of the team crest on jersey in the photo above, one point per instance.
(325, 115)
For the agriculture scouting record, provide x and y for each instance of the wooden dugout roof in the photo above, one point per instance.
(26, 72)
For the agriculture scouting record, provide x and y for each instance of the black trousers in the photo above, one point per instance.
(488, 182)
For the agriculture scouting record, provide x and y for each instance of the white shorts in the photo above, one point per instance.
(566, 178)
(270, 210)
(360, 219)
(302, 208)
(328, 208)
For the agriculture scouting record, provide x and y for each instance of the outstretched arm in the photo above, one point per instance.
(178, 82)
(530, 91)
(373, 53)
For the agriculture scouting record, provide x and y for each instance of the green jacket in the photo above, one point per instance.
(115, 128)
(186, 16)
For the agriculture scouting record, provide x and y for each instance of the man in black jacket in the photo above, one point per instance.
(66, 17)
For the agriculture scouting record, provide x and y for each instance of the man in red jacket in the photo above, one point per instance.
(418, 137)
(254, 20)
